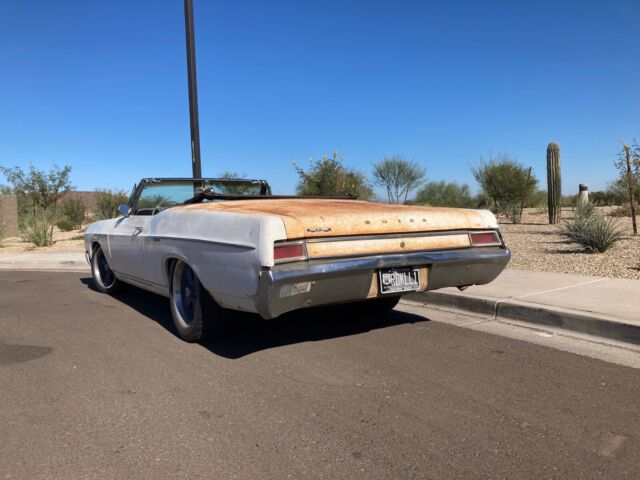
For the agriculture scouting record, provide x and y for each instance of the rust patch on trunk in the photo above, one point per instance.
(308, 218)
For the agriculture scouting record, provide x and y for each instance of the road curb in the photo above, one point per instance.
(535, 313)
(44, 261)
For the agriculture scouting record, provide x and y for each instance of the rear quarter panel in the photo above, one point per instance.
(225, 250)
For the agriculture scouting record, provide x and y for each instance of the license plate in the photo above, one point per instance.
(402, 279)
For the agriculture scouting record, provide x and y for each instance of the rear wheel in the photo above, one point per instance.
(104, 279)
(195, 314)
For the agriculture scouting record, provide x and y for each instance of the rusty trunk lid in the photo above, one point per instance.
(308, 218)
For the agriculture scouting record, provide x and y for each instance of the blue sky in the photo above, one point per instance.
(101, 86)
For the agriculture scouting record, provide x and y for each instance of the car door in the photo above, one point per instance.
(126, 240)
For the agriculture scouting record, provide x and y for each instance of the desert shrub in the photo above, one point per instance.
(329, 177)
(542, 210)
(569, 200)
(443, 194)
(72, 210)
(537, 199)
(592, 231)
(3, 234)
(108, 201)
(38, 230)
(506, 184)
(65, 224)
(585, 211)
(623, 210)
(605, 198)
(38, 192)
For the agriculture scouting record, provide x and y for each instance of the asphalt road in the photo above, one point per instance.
(98, 387)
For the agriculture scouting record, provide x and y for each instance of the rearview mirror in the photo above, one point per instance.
(123, 209)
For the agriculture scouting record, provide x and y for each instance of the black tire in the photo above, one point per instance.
(378, 305)
(104, 279)
(196, 315)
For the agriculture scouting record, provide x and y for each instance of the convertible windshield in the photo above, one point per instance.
(157, 195)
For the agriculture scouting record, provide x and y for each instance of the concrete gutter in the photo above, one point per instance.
(604, 307)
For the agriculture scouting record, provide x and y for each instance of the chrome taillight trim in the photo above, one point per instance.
(304, 256)
(496, 235)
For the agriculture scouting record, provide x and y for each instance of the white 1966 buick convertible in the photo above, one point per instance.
(213, 245)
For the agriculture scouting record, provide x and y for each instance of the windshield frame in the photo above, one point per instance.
(265, 189)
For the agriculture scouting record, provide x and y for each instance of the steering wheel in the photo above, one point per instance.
(162, 206)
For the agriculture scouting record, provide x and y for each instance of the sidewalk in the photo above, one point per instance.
(604, 307)
(70, 261)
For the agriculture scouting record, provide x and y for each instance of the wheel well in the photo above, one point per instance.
(168, 266)
(94, 246)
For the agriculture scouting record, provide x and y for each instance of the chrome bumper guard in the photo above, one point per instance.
(292, 286)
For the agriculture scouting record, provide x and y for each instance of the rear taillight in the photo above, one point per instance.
(484, 239)
(288, 252)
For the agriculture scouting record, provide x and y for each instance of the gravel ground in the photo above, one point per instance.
(536, 245)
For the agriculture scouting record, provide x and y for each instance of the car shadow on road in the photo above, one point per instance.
(249, 333)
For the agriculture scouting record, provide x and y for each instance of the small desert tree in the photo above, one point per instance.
(234, 189)
(443, 194)
(628, 165)
(108, 201)
(41, 191)
(505, 183)
(73, 210)
(398, 176)
(329, 177)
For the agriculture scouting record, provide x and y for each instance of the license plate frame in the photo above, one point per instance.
(394, 280)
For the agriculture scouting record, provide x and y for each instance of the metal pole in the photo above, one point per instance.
(632, 203)
(193, 90)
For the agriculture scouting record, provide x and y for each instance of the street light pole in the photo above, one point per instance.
(193, 90)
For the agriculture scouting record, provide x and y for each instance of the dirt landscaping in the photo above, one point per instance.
(536, 245)
(63, 242)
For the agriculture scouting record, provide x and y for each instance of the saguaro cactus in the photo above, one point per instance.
(553, 182)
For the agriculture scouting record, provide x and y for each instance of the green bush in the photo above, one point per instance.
(585, 211)
(38, 231)
(443, 194)
(605, 198)
(72, 210)
(108, 201)
(538, 200)
(65, 224)
(506, 184)
(591, 230)
(328, 177)
(569, 200)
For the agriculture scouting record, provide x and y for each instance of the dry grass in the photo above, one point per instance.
(536, 245)
(62, 242)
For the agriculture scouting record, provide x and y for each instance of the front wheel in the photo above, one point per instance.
(104, 279)
(196, 315)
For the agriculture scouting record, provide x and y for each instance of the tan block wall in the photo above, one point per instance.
(9, 214)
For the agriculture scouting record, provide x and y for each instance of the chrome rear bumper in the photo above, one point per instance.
(292, 286)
